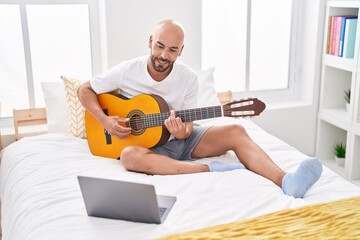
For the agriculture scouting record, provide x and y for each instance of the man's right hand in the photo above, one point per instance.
(116, 126)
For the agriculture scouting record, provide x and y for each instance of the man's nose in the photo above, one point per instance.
(164, 55)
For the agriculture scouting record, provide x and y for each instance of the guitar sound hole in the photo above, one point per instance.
(136, 123)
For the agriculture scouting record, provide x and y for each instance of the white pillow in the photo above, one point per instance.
(57, 111)
(207, 95)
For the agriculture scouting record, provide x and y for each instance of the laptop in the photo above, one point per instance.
(129, 201)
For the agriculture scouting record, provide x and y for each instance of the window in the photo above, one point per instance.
(42, 40)
(250, 45)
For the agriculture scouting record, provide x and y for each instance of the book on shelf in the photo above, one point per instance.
(340, 35)
(349, 37)
(330, 34)
(336, 35)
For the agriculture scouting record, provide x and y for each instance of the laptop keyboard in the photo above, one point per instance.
(162, 210)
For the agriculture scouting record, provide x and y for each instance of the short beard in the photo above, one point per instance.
(160, 68)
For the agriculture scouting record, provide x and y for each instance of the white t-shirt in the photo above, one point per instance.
(179, 89)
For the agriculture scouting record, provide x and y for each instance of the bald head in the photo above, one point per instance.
(171, 28)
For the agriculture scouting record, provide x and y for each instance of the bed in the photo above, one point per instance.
(41, 197)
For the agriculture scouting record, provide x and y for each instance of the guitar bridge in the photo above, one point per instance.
(107, 134)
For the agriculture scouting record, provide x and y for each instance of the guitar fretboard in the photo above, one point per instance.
(188, 115)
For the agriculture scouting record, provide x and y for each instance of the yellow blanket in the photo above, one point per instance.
(333, 220)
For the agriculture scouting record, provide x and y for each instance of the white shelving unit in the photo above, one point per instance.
(335, 123)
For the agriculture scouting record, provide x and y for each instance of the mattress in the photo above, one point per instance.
(41, 197)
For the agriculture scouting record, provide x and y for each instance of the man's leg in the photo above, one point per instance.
(164, 159)
(218, 140)
(140, 159)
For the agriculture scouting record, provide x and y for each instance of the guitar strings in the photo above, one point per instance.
(187, 115)
(158, 119)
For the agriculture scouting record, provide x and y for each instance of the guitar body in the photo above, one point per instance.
(103, 144)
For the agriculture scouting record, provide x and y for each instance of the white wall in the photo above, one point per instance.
(130, 23)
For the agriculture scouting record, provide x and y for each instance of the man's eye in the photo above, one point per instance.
(159, 46)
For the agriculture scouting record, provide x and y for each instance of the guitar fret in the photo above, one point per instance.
(190, 115)
(187, 115)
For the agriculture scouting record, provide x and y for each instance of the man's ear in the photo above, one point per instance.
(181, 51)
(150, 41)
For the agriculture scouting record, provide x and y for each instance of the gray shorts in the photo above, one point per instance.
(181, 149)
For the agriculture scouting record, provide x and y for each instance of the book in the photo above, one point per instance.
(330, 34)
(349, 37)
(336, 40)
(342, 34)
(334, 47)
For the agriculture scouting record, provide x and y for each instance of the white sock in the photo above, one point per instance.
(223, 167)
(297, 183)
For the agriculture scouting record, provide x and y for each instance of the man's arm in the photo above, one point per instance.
(89, 100)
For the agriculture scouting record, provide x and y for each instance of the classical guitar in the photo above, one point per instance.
(147, 114)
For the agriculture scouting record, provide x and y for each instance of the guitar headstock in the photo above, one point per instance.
(244, 108)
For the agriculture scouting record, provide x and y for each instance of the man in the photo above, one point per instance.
(162, 75)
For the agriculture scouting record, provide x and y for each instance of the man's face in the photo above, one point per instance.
(165, 48)
(159, 61)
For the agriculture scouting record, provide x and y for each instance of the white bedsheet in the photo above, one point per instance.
(41, 198)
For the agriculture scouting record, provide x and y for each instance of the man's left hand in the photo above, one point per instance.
(177, 127)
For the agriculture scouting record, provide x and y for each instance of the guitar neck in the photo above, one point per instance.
(188, 115)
